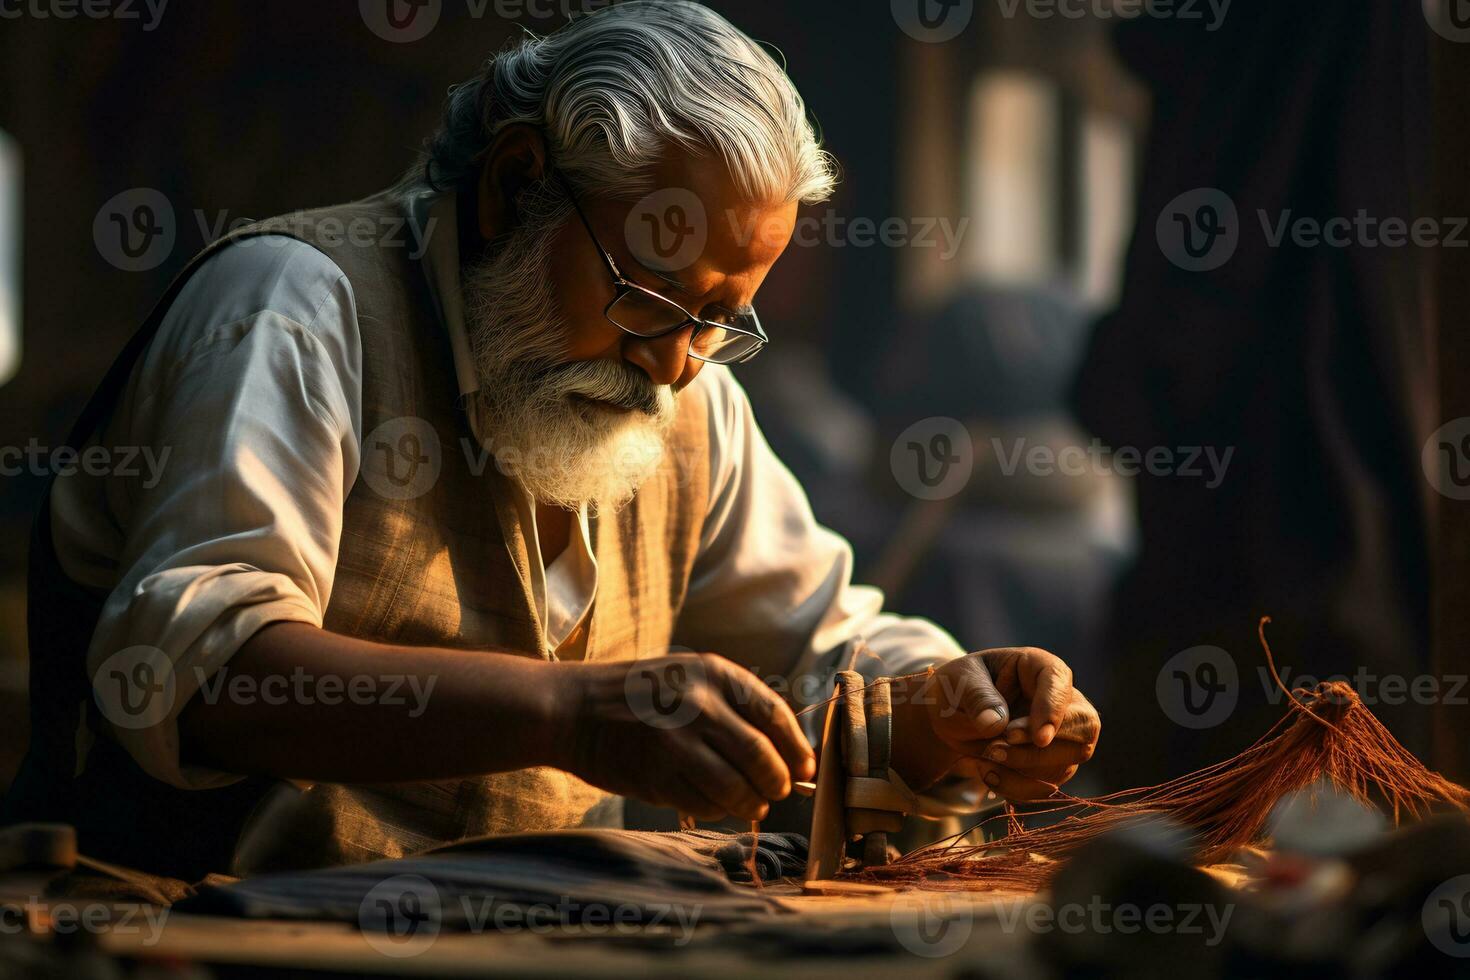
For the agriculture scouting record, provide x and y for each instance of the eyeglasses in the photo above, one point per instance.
(726, 337)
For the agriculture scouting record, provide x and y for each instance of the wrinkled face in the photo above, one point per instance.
(571, 404)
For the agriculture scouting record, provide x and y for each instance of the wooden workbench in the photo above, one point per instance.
(817, 936)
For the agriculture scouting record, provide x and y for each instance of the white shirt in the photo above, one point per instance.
(253, 389)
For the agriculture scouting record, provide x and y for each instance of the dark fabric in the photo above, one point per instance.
(776, 855)
(571, 870)
(1310, 362)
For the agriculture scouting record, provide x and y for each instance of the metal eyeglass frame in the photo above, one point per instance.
(622, 286)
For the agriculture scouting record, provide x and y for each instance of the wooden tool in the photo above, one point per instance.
(858, 795)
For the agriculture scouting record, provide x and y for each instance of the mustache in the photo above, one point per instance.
(614, 382)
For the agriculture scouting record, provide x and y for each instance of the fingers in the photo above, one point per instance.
(718, 782)
(1049, 682)
(772, 717)
(1026, 786)
(1080, 724)
(751, 753)
(1055, 757)
(687, 798)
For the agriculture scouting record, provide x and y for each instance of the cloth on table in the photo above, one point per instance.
(776, 855)
(642, 877)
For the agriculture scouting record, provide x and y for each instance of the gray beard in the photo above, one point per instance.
(564, 451)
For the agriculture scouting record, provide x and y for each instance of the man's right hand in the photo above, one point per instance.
(691, 731)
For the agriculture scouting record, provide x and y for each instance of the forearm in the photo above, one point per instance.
(478, 712)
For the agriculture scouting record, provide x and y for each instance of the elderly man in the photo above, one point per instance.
(441, 512)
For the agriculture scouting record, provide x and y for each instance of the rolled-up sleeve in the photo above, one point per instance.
(772, 588)
(244, 414)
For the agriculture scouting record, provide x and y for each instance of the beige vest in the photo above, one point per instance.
(433, 553)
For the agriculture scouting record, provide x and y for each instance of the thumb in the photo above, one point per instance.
(978, 704)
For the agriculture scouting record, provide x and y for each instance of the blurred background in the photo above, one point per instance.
(1012, 312)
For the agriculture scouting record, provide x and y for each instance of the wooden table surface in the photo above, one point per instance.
(894, 934)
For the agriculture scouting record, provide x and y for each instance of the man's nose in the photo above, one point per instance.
(663, 359)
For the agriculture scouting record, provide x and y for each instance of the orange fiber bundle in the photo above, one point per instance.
(1327, 734)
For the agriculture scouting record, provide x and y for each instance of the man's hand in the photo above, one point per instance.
(691, 731)
(1008, 716)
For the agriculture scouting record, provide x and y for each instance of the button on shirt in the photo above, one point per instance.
(253, 388)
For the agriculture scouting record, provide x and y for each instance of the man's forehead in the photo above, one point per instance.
(693, 225)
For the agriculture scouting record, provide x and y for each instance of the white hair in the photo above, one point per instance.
(614, 90)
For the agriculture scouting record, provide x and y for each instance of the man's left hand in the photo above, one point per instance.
(1009, 716)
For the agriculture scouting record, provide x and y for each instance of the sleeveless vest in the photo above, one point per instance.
(432, 553)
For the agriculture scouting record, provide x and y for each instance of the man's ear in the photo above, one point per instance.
(514, 159)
